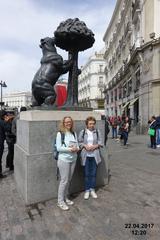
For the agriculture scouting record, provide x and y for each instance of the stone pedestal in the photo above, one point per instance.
(35, 168)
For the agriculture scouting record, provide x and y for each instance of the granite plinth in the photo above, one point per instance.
(35, 167)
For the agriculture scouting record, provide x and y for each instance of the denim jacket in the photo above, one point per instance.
(82, 139)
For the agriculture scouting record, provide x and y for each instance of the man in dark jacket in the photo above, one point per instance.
(3, 128)
(153, 125)
(10, 139)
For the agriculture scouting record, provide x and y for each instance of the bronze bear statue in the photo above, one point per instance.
(52, 66)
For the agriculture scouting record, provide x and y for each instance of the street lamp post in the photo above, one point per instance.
(3, 84)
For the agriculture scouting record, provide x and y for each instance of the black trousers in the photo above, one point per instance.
(153, 141)
(10, 156)
(1, 154)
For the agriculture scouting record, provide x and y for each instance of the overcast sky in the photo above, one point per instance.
(25, 22)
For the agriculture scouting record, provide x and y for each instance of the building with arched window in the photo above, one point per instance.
(17, 99)
(92, 82)
(132, 54)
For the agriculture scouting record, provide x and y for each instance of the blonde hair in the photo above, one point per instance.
(62, 127)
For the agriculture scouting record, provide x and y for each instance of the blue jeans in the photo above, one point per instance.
(114, 132)
(125, 137)
(90, 171)
(158, 136)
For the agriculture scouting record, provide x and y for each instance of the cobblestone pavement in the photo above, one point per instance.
(121, 211)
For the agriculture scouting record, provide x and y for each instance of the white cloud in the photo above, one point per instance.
(24, 23)
(17, 71)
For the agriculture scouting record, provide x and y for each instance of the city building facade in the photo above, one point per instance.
(17, 99)
(132, 54)
(92, 81)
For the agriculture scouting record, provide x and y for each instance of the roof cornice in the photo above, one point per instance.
(112, 19)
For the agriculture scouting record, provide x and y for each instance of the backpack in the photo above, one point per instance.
(55, 152)
(84, 133)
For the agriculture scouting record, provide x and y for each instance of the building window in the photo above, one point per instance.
(107, 98)
(112, 111)
(100, 80)
(129, 87)
(100, 103)
(124, 90)
(137, 84)
(112, 97)
(101, 68)
(120, 92)
(115, 94)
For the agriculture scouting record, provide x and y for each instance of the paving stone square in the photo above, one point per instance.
(127, 209)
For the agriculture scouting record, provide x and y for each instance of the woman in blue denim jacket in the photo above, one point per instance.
(90, 141)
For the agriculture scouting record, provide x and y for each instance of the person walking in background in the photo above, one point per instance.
(10, 139)
(158, 131)
(120, 130)
(3, 129)
(152, 126)
(67, 149)
(90, 141)
(124, 133)
(114, 124)
(119, 121)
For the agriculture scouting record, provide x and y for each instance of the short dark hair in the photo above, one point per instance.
(22, 109)
(90, 118)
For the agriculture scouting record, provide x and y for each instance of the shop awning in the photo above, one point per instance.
(133, 101)
(125, 105)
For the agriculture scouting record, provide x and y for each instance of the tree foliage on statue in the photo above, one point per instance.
(73, 35)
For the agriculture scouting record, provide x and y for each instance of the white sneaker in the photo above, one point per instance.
(69, 202)
(63, 206)
(86, 195)
(93, 194)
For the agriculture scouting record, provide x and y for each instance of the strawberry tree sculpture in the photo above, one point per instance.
(73, 36)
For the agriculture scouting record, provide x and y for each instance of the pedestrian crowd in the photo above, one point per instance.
(120, 126)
